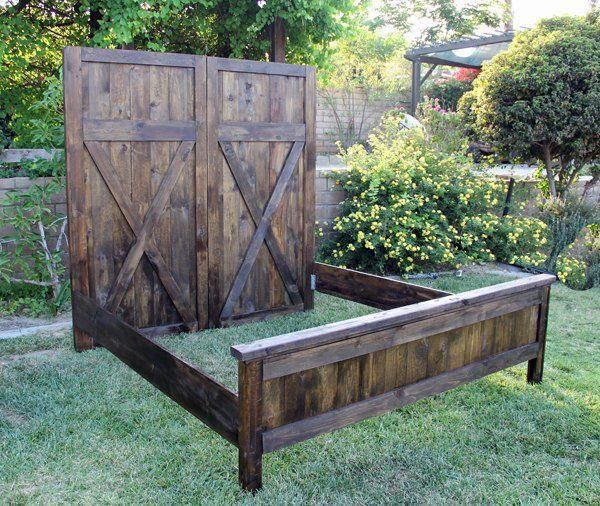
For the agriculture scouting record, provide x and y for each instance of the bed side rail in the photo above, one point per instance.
(375, 291)
(321, 379)
(205, 398)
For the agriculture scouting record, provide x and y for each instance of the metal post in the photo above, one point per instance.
(416, 86)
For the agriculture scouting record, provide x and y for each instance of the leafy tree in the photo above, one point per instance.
(32, 33)
(541, 99)
(363, 66)
(445, 19)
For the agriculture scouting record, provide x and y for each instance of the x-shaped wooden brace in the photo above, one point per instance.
(262, 221)
(142, 228)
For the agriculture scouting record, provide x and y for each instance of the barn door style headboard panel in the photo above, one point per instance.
(190, 187)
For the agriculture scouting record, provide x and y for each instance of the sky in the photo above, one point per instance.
(528, 12)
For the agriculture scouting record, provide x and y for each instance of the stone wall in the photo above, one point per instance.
(326, 122)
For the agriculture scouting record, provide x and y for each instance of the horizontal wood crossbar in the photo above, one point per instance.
(258, 67)
(260, 132)
(138, 130)
(205, 398)
(380, 340)
(99, 55)
(307, 428)
(375, 291)
(325, 334)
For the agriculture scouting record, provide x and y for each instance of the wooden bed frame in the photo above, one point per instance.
(296, 386)
(170, 259)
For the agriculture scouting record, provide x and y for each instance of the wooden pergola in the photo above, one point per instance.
(449, 53)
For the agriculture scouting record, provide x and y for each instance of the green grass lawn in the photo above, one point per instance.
(83, 428)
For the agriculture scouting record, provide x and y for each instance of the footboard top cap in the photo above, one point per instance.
(325, 334)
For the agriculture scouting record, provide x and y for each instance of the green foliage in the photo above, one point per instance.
(28, 256)
(444, 129)
(444, 19)
(448, 91)
(42, 125)
(541, 99)
(579, 265)
(411, 208)
(565, 219)
(363, 67)
(32, 34)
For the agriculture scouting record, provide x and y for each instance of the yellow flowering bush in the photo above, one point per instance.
(412, 208)
(578, 266)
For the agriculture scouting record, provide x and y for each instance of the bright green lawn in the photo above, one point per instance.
(84, 428)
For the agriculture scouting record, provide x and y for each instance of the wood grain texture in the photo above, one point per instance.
(138, 130)
(78, 205)
(365, 372)
(369, 289)
(535, 367)
(245, 131)
(326, 334)
(403, 333)
(307, 428)
(250, 425)
(204, 397)
(94, 54)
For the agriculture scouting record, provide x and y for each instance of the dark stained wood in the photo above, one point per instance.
(376, 291)
(535, 367)
(77, 203)
(250, 428)
(326, 334)
(138, 130)
(251, 203)
(258, 67)
(94, 54)
(308, 205)
(261, 231)
(307, 428)
(140, 230)
(351, 346)
(277, 35)
(201, 176)
(246, 131)
(205, 398)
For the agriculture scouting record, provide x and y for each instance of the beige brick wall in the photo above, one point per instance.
(326, 123)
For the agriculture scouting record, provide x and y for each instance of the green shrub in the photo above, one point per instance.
(565, 220)
(579, 265)
(30, 255)
(411, 208)
(444, 129)
(541, 99)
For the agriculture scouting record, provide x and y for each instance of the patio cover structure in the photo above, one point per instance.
(467, 53)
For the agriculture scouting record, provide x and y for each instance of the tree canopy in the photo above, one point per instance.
(33, 32)
(445, 19)
(541, 98)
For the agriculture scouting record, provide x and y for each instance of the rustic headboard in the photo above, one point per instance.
(190, 186)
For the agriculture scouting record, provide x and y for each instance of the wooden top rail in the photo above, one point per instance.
(325, 334)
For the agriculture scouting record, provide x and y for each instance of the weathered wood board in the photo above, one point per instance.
(179, 166)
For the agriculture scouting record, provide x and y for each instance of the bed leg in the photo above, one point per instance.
(250, 430)
(535, 367)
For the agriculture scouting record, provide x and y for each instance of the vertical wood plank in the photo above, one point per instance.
(77, 204)
(250, 430)
(201, 191)
(216, 167)
(308, 253)
(416, 360)
(144, 277)
(535, 367)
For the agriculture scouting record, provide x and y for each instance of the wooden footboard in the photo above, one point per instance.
(324, 378)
